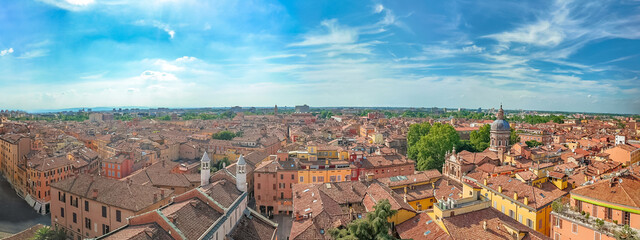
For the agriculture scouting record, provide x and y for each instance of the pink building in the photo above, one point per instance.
(88, 206)
(616, 201)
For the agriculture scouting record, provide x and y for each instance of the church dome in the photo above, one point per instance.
(500, 125)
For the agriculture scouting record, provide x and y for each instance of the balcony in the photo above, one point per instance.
(600, 225)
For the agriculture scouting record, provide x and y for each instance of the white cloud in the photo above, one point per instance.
(158, 76)
(378, 8)
(473, 49)
(71, 5)
(34, 53)
(335, 34)
(157, 24)
(542, 33)
(280, 56)
(6, 51)
(80, 2)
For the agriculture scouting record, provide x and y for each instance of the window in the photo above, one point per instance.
(281, 195)
(86, 205)
(105, 229)
(594, 211)
(87, 223)
(495, 204)
(274, 186)
(596, 235)
(258, 185)
(61, 212)
(118, 216)
(259, 197)
(512, 214)
(332, 178)
(558, 222)
(75, 218)
(574, 228)
(321, 179)
(539, 223)
(301, 179)
(104, 211)
(292, 177)
(529, 223)
(607, 213)
(118, 174)
(579, 205)
(274, 198)
(503, 209)
(556, 236)
(281, 176)
(314, 179)
(519, 217)
(626, 218)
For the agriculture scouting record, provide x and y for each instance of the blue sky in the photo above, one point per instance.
(544, 55)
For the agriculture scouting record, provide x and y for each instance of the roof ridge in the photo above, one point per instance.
(173, 226)
(629, 196)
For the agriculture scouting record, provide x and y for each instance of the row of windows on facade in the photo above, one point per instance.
(51, 172)
(512, 214)
(112, 173)
(608, 213)
(574, 229)
(74, 203)
(111, 165)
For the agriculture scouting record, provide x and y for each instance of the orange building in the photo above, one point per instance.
(624, 153)
(118, 166)
(42, 171)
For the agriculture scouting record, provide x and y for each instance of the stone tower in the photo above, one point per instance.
(500, 133)
(205, 165)
(241, 174)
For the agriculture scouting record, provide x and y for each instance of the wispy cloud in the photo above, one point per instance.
(157, 24)
(334, 34)
(71, 5)
(34, 54)
(6, 51)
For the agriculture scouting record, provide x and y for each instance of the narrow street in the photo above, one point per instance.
(15, 213)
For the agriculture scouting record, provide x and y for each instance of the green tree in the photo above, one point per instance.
(532, 143)
(626, 233)
(557, 206)
(514, 138)
(416, 131)
(375, 226)
(480, 138)
(224, 135)
(223, 162)
(47, 233)
(465, 145)
(431, 148)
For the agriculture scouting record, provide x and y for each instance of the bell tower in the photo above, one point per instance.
(241, 174)
(205, 165)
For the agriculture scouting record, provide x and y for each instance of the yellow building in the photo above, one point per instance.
(334, 171)
(377, 192)
(418, 189)
(526, 204)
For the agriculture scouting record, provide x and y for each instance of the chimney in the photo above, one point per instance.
(484, 225)
(526, 201)
(500, 189)
(161, 193)
(94, 194)
(515, 195)
(155, 197)
(485, 182)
